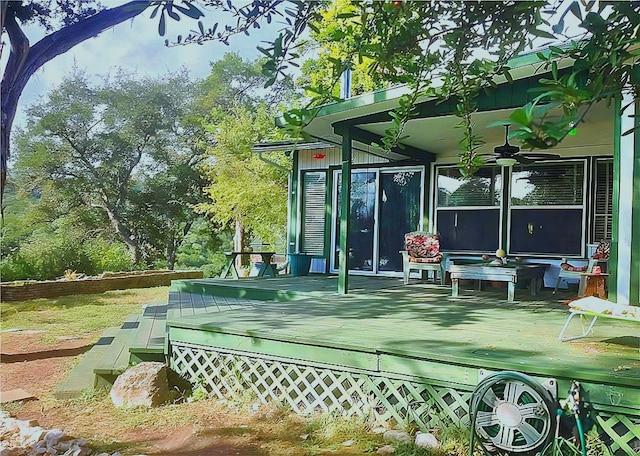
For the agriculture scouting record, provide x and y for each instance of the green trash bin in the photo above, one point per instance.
(299, 264)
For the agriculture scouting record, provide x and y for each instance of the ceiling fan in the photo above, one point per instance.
(508, 154)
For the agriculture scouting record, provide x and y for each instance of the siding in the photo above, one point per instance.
(333, 157)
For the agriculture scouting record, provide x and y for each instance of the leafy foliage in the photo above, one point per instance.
(121, 151)
(243, 188)
(454, 50)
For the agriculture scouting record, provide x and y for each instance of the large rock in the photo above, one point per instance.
(143, 384)
(426, 440)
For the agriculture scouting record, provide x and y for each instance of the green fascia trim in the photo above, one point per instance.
(413, 363)
(367, 137)
(634, 286)
(520, 62)
(505, 96)
(365, 99)
(615, 210)
(237, 290)
(296, 349)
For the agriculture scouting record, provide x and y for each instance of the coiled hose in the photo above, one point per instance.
(486, 384)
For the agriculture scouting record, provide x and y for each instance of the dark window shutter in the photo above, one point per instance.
(313, 213)
(603, 200)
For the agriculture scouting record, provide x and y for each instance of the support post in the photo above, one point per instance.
(345, 206)
(624, 286)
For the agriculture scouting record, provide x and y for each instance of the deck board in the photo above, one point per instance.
(408, 327)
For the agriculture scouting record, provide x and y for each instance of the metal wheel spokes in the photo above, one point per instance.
(513, 416)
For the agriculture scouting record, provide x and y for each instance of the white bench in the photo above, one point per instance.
(597, 308)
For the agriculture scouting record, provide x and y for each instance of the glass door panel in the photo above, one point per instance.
(361, 220)
(400, 212)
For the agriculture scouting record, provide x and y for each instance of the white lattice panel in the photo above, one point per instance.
(308, 389)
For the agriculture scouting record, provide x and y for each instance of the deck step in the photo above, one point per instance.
(81, 377)
(115, 360)
(148, 343)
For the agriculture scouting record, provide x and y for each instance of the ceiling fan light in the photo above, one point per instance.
(506, 161)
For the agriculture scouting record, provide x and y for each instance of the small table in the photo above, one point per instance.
(511, 273)
(230, 267)
(596, 285)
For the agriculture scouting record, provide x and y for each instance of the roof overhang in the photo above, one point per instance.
(432, 134)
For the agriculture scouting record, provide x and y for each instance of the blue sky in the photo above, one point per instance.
(136, 46)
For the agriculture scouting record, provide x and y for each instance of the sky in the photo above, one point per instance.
(135, 45)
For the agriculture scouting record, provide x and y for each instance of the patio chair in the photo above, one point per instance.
(422, 253)
(568, 271)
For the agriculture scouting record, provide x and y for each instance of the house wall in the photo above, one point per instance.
(333, 157)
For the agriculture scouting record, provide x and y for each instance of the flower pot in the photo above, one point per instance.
(300, 263)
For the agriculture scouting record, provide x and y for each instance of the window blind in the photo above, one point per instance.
(556, 184)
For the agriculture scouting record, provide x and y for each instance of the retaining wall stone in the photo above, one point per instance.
(26, 290)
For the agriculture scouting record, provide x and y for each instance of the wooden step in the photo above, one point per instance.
(148, 344)
(81, 377)
(115, 360)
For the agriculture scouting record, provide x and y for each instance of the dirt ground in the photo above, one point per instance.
(206, 427)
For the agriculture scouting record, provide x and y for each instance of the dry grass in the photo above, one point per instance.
(78, 315)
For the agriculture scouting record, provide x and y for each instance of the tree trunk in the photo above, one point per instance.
(171, 254)
(134, 247)
(238, 242)
(24, 60)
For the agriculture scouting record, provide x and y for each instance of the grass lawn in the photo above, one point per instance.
(78, 315)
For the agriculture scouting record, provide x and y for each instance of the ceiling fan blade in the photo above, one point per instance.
(506, 150)
(540, 155)
(523, 159)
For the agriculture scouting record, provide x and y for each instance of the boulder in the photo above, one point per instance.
(143, 384)
(426, 440)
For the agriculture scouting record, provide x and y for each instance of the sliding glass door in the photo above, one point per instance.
(385, 204)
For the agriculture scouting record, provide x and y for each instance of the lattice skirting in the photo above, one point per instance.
(307, 389)
(312, 388)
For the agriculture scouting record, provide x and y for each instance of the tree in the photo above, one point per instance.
(464, 46)
(245, 192)
(119, 148)
(78, 21)
(332, 40)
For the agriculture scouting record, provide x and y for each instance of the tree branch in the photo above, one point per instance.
(24, 61)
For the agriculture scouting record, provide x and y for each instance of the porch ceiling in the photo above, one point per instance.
(439, 135)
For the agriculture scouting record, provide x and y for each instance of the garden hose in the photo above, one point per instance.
(573, 401)
(504, 377)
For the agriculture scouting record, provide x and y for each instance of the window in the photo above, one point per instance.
(547, 209)
(483, 189)
(313, 213)
(603, 199)
(468, 209)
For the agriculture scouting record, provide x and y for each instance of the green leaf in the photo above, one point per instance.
(543, 34)
(521, 116)
(575, 10)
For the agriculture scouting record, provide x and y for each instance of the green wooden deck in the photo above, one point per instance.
(416, 330)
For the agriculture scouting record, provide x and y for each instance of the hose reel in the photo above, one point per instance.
(512, 412)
